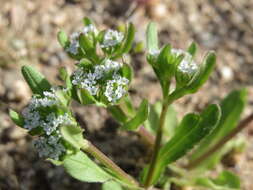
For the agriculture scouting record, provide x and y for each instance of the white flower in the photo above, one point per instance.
(49, 147)
(74, 43)
(90, 80)
(89, 28)
(115, 88)
(34, 116)
(73, 47)
(189, 67)
(112, 38)
(154, 52)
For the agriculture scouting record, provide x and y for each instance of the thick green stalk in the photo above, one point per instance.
(103, 159)
(157, 145)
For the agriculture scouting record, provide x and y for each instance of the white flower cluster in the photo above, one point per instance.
(49, 122)
(37, 115)
(115, 88)
(50, 147)
(187, 65)
(112, 38)
(74, 43)
(91, 81)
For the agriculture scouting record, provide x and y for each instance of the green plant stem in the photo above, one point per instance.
(243, 124)
(103, 159)
(147, 137)
(157, 145)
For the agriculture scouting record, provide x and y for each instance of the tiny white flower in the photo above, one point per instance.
(89, 28)
(189, 67)
(115, 88)
(154, 52)
(112, 38)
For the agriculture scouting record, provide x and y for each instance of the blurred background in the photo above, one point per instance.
(28, 31)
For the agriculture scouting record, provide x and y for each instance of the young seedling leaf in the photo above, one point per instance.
(139, 118)
(16, 118)
(81, 167)
(152, 37)
(36, 81)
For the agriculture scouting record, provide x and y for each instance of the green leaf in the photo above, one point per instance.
(63, 39)
(36, 81)
(153, 119)
(81, 167)
(127, 71)
(65, 77)
(73, 135)
(16, 118)
(205, 70)
(139, 118)
(87, 21)
(225, 181)
(179, 144)
(84, 97)
(184, 140)
(118, 114)
(86, 43)
(152, 37)
(129, 39)
(111, 185)
(192, 49)
(228, 179)
(231, 108)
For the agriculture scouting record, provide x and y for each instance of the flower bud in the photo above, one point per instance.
(186, 69)
(89, 31)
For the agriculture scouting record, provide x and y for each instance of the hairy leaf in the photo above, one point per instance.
(184, 139)
(231, 109)
(36, 81)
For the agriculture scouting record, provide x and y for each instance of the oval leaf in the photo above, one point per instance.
(183, 142)
(36, 81)
(16, 118)
(81, 167)
(231, 109)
